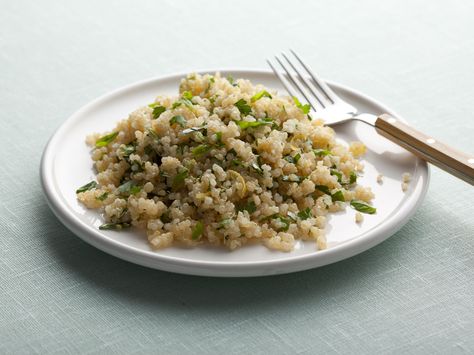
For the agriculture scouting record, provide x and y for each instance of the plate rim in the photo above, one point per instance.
(151, 259)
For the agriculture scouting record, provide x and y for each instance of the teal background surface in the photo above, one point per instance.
(414, 293)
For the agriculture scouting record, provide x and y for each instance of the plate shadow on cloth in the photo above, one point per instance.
(158, 289)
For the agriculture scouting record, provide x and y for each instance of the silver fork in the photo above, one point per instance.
(299, 78)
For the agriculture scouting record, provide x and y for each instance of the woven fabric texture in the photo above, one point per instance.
(413, 293)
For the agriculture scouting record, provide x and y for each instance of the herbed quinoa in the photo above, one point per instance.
(227, 163)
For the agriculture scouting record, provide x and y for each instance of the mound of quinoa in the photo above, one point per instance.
(224, 162)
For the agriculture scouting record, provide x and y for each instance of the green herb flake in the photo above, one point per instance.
(363, 207)
(114, 226)
(230, 79)
(304, 108)
(187, 95)
(165, 217)
(135, 189)
(323, 188)
(321, 152)
(237, 162)
(89, 186)
(182, 146)
(259, 95)
(253, 124)
(352, 177)
(199, 137)
(292, 215)
(187, 103)
(176, 104)
(137, 166)
(157, 111)
(211, 81)
(337, 196)
(129, 187)
(164, 174)
(179, 120)
(179, 178)
(183, 101)
(243, 107)
(193, 129)
(201, 149)
(305, 214)
(128, 149)
(338, 174)
(294, 159)
(224, 223)
(197, 230)
(272, 216)
(208, 86)
(102, 197)
(255, 166)
(287, 178)
(286, 223)
(219, 139)
(249, 207)
(105, 140)
(152, 134)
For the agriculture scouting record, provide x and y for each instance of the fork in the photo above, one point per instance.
(298, 77)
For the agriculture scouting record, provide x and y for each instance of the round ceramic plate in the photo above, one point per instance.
(66, 164)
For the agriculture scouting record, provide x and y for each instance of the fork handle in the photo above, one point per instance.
(443, 156)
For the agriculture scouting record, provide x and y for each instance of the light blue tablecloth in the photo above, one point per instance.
(413, 293)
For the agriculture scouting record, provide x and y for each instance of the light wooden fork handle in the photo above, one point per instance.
(453, 161)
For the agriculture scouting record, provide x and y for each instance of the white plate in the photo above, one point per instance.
(66, 164)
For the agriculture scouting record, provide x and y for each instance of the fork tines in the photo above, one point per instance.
(298, 77)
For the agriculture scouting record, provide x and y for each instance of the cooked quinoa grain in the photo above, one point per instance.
(406, 177)
(225, 162)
